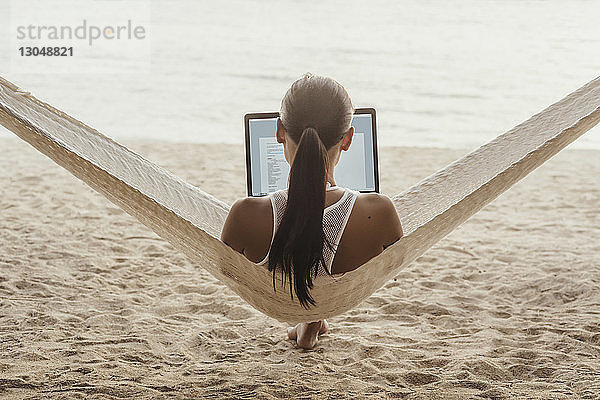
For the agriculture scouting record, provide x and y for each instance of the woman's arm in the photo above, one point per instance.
(248, 227)
(393, 231)
(232, 233)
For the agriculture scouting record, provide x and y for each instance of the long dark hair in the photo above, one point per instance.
(316, 112)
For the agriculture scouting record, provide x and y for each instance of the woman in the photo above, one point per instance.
(314, 227)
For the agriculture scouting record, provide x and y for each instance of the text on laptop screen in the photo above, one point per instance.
(269, 169)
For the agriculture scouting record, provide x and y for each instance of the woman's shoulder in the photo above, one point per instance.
(249, 205)
(248, 213)
(378, 206)
(375, 200)
(247, 217)
(377, 212)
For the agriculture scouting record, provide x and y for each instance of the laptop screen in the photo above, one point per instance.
(267, 169)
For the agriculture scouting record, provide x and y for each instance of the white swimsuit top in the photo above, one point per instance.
(335, 218)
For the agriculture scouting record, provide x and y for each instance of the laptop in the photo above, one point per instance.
(267, 170)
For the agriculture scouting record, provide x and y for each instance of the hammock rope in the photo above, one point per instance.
(191, 219)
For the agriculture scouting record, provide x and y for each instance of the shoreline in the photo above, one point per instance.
(132, 142)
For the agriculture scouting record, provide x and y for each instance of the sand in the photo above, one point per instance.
(94, 305)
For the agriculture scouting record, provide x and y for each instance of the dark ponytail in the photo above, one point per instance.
(316, 113)
(298, 244)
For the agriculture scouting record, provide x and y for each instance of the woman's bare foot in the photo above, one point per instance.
(306, 335)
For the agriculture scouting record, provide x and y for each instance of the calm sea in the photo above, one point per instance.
(440, 73)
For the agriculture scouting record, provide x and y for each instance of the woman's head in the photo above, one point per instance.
(314, 127)
(321, 103)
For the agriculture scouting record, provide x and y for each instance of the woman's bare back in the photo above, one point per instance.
(373, 225)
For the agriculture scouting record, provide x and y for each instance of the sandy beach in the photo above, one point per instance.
(95, 305)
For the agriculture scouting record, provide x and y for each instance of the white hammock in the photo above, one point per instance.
(191, 220)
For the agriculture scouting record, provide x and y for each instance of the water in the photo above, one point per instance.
(440, 74)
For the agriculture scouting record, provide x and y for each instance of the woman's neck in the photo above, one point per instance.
(329, 175)
(329, 179)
